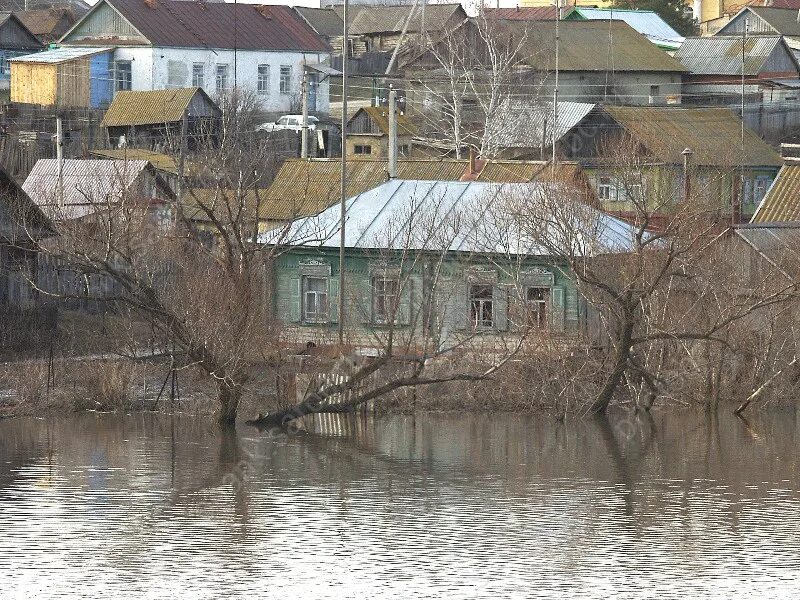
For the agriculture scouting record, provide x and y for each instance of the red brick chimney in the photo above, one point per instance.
(151, 3)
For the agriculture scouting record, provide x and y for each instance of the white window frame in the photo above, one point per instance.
(478, 305)
(223, 76)
(607, 189)
(198, 79)
(286, 74)
(120, 84)
(321, 297)
(383, 313)
(263, 73)
(537, 310)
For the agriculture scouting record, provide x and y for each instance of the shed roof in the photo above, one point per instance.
(380, 116)
(325, 21)
(59, 55)
(457, 216)
(781, 203)
(88, 184)
(591, 46)
(149, 107)
(722, 55)
(779, 243)
(43, 22)
(366, 19)
(529, 125)
(646, 22)
(180, 24)
(708, 132)
(162, 162)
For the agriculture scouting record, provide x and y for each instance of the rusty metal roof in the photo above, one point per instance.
(151, 107)
(712, 134)
(781, 204)
(722, 55)
(173, 23)
(47, 23)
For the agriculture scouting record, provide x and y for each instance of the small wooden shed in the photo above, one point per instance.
(68, 77)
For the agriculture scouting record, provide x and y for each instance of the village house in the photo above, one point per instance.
(768, 17)
(307, 187)
(599, 61)
(771, 79)
(327, 23)
(617, 144)
(158, 118)
(48, 24)
(379, 28)
(368, 133)
(15, 40)
(781, 204)
(486, 284)
(93, 186)
(22, 226)
(160, 44)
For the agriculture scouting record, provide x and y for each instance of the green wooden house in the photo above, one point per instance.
(429, 260)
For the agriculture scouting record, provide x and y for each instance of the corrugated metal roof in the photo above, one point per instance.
(713, 135)
(383, 19)
(59, 55)
(529, 13)
(591, 46)
(131, 108)
(722, 55)
(458, 216)
(175, 23)
(380, 116)
(646, 22)
(88, 184)
(519, 124)
(782, 202)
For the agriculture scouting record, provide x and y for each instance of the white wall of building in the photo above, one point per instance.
(161, 68)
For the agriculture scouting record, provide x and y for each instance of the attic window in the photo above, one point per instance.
(363, 149)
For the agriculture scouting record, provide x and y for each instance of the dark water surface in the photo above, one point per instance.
(680, 505)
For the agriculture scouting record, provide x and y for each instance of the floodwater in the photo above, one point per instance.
(146, 506)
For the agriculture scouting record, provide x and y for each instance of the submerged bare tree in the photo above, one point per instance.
(183, 259)
(655, 286)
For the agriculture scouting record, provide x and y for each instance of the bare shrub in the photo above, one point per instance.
(105, 386)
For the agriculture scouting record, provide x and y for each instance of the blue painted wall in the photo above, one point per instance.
(101, 80)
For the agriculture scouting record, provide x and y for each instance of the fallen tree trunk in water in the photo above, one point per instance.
(762, 388)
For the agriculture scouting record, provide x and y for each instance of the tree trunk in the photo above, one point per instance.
(228, 396)
(622, 354)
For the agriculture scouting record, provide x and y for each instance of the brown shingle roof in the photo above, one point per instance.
(212, 25)
(782, 202)
(150, 107)
(712, 134)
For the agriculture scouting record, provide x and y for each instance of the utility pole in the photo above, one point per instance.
(738, 198)
(304, 128)
(182, 157)
(687, 185)
(60, 158)
(343, 177)
(392, 132)
(555, 88)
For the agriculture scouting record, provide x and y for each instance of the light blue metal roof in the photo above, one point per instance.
(60, 55)
(463, 217)
(646, 22)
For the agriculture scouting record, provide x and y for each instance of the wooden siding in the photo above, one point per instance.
(105, 22)
(755, 25)
(33, 83)
(73, 83)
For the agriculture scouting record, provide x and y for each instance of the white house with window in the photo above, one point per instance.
(161, 44)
